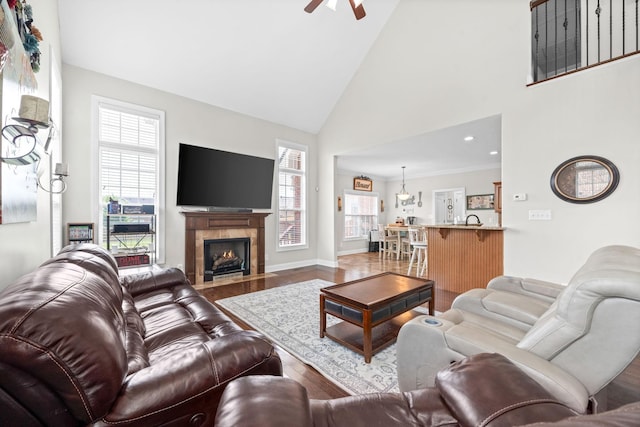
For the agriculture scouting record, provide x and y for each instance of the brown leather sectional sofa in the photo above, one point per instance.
(81, 346)
(485, 389)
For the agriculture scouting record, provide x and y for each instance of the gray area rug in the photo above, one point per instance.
(290, 317)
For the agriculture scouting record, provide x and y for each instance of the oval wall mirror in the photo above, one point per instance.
(584, 179)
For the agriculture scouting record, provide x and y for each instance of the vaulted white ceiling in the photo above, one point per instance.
(264, 58)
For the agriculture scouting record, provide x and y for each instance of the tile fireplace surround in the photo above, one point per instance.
(201, 226)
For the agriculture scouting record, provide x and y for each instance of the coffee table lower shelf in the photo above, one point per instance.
(382, 336)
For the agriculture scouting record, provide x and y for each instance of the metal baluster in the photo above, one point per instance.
(623, 27)
(555, 38)
(535, 60)
(546, 41)
(598, 10)
(577, 23)
(587, 42)
(611, 29)
(565, 24)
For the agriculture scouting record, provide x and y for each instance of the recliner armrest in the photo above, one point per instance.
(487, 389)
(264, 401)
(560, 383)
(547, 291)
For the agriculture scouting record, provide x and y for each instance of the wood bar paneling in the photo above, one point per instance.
(460, 259)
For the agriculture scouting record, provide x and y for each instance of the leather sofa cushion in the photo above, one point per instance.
(63, 323)
(518, 399)
(89, 257)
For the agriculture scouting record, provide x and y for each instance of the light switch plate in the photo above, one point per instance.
(540, 215)
(520, 197)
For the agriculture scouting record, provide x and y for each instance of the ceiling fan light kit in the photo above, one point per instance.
(356, 6)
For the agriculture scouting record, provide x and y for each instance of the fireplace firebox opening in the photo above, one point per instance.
(226, 256)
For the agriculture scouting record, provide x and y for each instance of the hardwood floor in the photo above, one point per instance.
(625, 389)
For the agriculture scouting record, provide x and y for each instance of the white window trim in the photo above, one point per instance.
(95, 179)
(359, 193)
(300, 147)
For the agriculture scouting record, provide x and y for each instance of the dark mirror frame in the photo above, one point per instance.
(561, 190)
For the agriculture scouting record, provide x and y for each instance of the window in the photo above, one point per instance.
(130, 143)
(360, 214)
(292, 168)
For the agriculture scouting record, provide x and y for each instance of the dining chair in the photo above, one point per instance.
(388, 241)
(418, 241)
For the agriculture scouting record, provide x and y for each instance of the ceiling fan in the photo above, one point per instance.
(356, 5)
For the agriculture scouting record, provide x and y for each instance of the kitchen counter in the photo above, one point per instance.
(466, 227)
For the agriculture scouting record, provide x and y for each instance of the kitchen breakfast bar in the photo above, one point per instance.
(461, 258)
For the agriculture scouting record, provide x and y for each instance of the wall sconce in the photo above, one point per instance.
(23, 146)
(381, 205)
(339, 203)
(61, 170)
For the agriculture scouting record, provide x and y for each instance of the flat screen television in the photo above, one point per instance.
(220, 179)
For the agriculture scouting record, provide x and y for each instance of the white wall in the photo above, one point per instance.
(444, 62)
(23, 246)
(187, 121)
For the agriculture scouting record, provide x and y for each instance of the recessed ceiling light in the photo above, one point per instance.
(468, 138)
(493, 153)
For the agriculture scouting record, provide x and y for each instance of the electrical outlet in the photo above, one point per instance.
(540, 215)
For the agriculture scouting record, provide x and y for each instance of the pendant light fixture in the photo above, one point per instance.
(403, 194)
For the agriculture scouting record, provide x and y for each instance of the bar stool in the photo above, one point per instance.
(418, 241)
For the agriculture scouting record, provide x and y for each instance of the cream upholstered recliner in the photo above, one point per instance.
(572, 339)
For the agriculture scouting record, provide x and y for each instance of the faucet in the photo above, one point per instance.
(466, 221)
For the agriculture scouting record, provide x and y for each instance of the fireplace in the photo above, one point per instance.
(201, 226)
(226, 256)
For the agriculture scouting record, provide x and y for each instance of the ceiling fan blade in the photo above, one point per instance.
(357, 10)
(312, 5)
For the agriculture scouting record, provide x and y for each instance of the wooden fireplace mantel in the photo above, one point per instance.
(204, 221)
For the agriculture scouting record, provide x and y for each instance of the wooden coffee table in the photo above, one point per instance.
(372, 309)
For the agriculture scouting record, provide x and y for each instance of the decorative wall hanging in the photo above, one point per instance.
(362, 183)
(480, 201)
(19, 180)
(584, 179)
(29, 34)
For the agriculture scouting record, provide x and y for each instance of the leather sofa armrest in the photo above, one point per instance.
(547, 291)
(150, 280)
(264, 401)
(627, 415)
(487, 389)
(156, 393)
